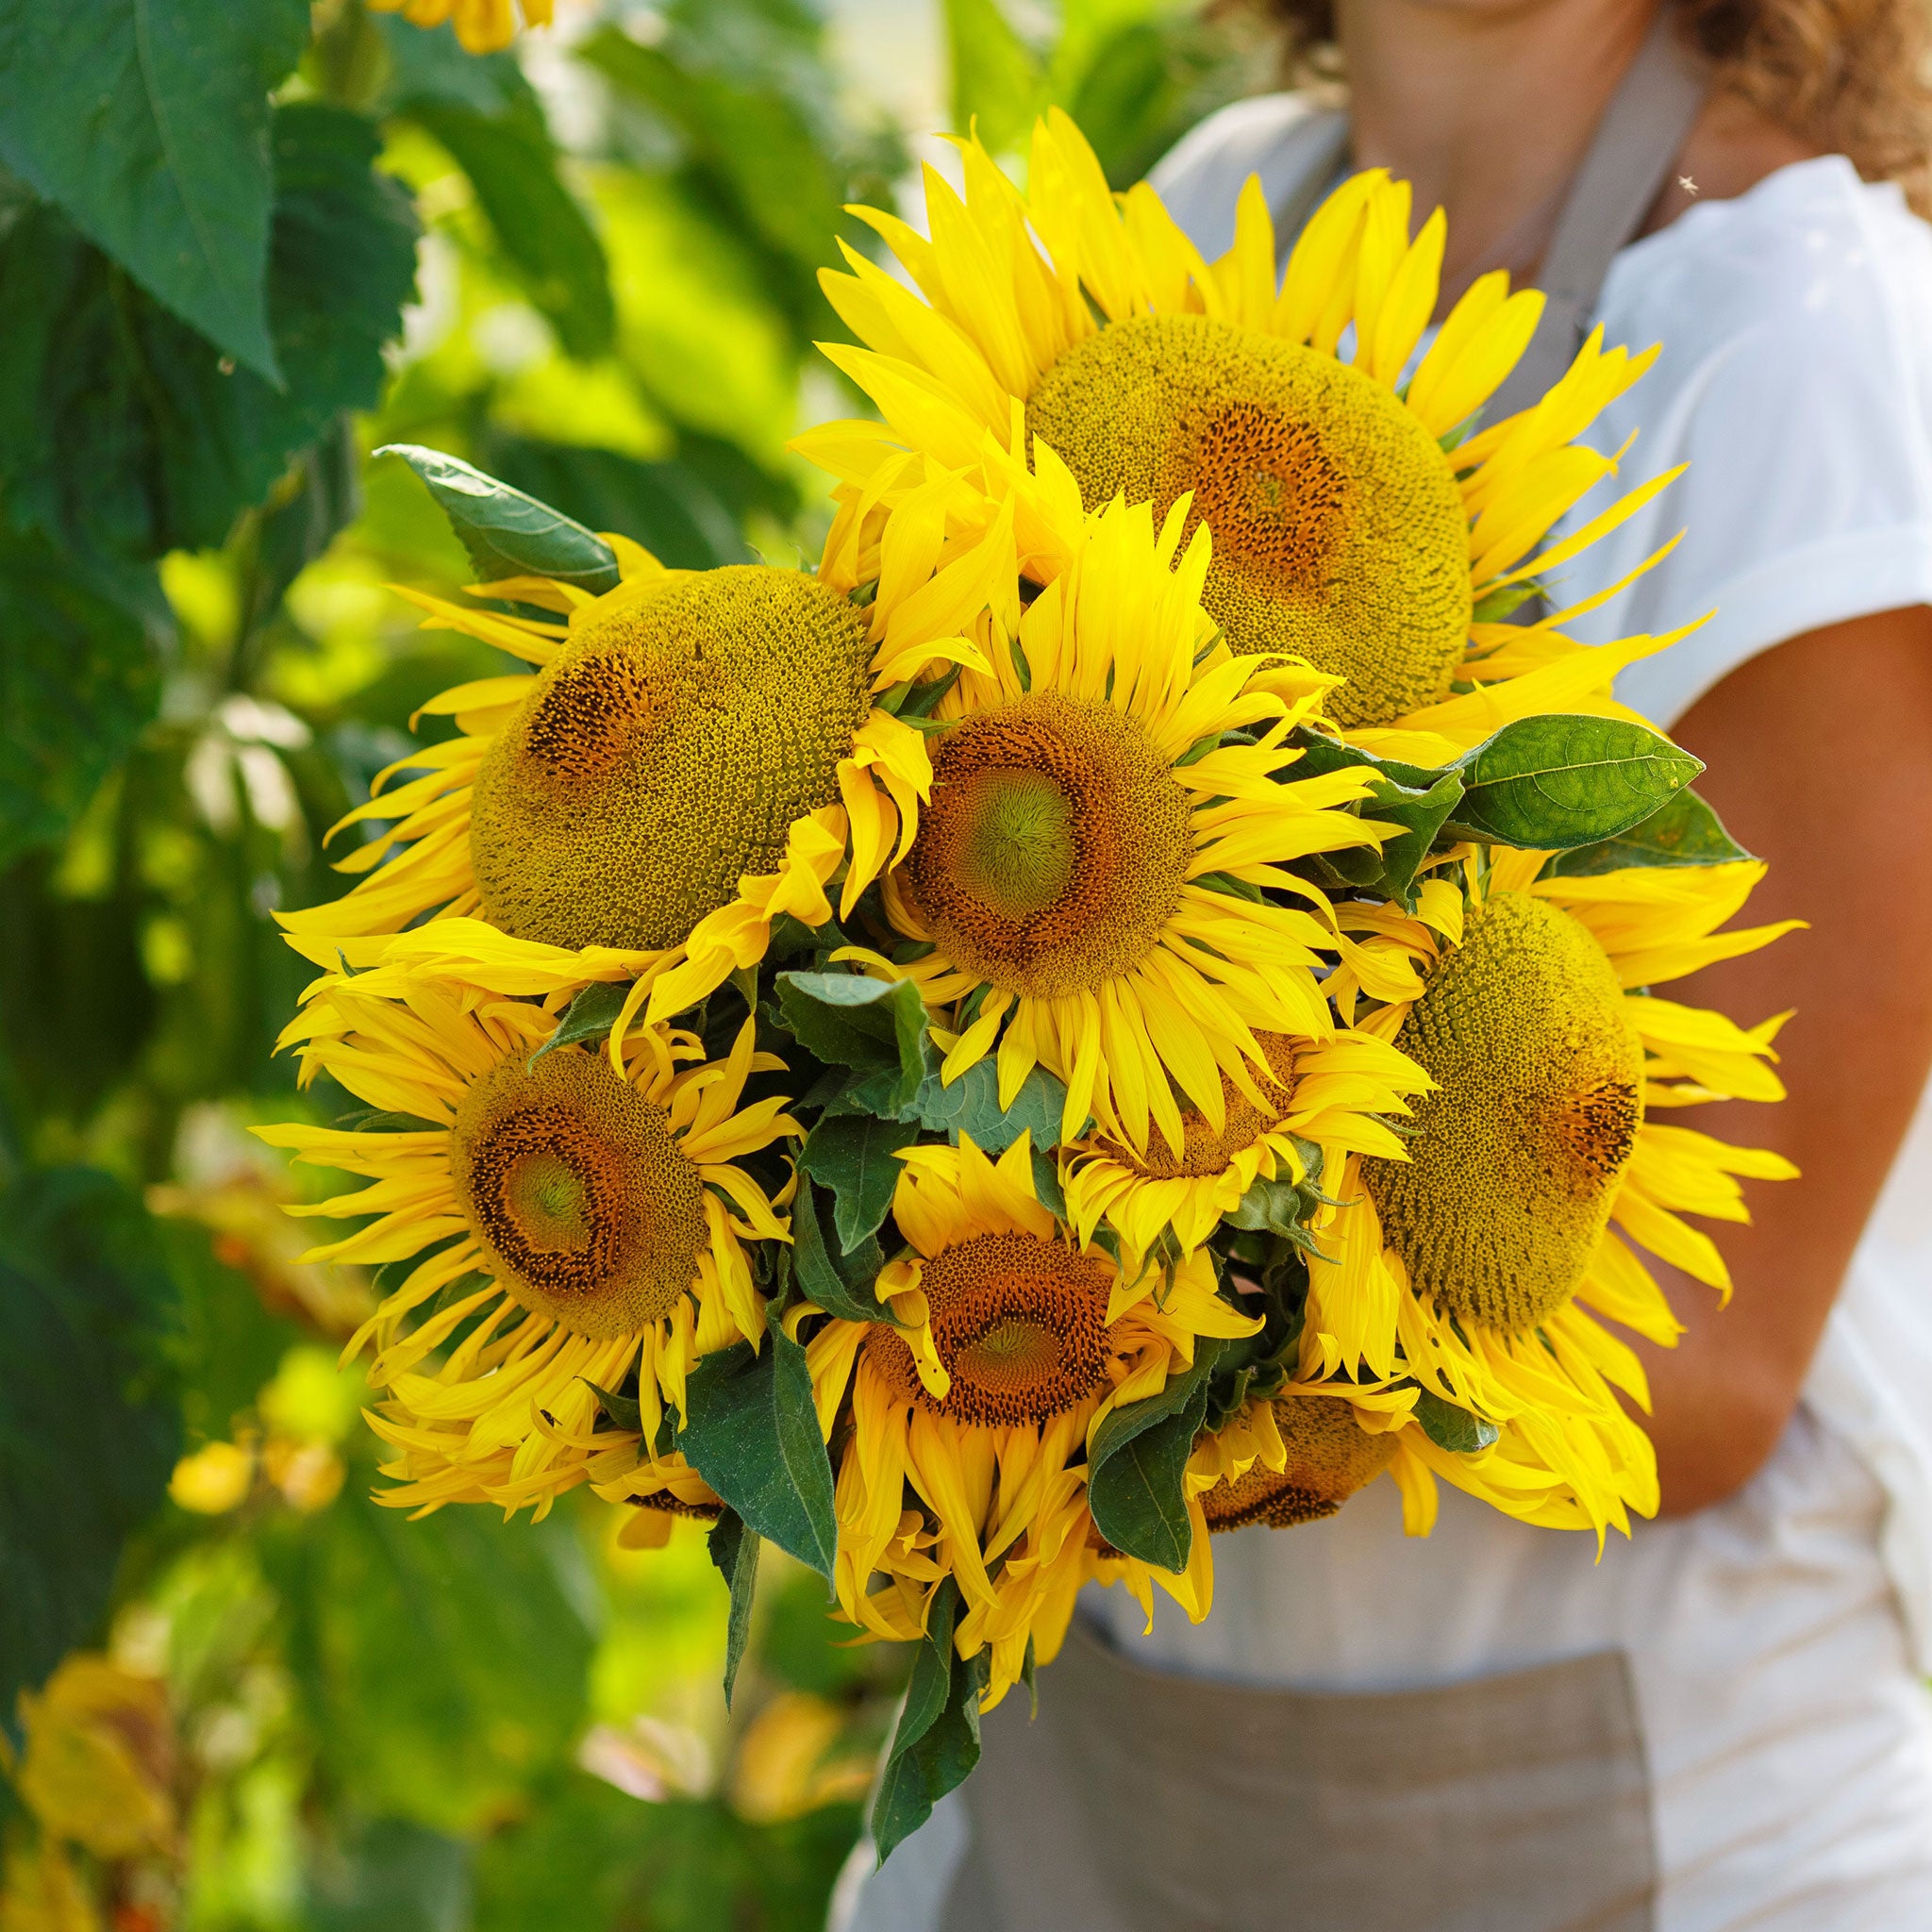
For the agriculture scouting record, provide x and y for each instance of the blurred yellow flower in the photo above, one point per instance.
(482, 25)
(43, 1893)
(308, 1474)
(790, 1761)
(213, 1479)
(99, 1760)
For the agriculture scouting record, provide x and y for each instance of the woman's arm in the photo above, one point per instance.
(1821, 762)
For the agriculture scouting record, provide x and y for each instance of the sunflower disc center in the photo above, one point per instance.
(1055, 847)
(1523, 1146)
(1339, 529)
(1330, 1456)
(1202, 1151)
(585, 1206)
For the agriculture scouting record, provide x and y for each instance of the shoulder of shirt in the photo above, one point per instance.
(1200, 178)
(1811, 255)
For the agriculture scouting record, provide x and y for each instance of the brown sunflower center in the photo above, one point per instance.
(1330, 1456)
(1020, 1324)
(1521, 1147)
(1055, 847)
(1202, 1151)
(665, 753)
(585, 1206)
(1339, 531)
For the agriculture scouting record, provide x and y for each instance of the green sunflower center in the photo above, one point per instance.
(585, 1206)
(1339, 531)
(1330, 1456)
(1521, 1147)
(1020, 1324)
(1055, 847)
(665, 753)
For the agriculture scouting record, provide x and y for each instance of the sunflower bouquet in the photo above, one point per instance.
(1120, 1007)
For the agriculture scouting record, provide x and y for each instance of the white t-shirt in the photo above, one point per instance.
(1778, 1640)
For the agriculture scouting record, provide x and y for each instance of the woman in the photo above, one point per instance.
(1724, 1722)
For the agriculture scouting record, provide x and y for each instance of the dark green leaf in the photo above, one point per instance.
(970, 1107)
(507, 533)
(1685, 831)
(1558, 781)
(1413, 796)
(1452, 1428)
(853, 1156)
(871, 1025)
(839, 1280)
(937, 1742)
(542, 232)
(147, 120)
(90, 1425)
(430, 64)
(625, 1411)
(752, 1432)
(1046, 1184)
(1273, 1207)
(1136, 1461)
(735, 1551)
(590, 1016)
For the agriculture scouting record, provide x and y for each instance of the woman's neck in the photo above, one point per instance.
(1488, 107)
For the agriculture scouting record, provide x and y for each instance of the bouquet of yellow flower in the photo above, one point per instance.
(1119, 1006)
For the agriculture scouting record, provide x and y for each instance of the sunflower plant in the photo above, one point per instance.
(1117, 1007)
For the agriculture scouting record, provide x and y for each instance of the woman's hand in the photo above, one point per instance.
(1821, 762)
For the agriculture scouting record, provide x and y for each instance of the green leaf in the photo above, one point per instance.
(853, 1155)
(543, 233)
(735, 1551)
(1416, 798)
(590, 1016)
(752, 1432)
(871, 1025)
(385, 1875)
(970, 1107)
(89, 1422)
(937, 1742)
(996, 76)
(838, 1279)
(1270, 1207)
(430, 64)
(147, 120)
(1685, 831)
(1452, 1428)
(625, 1411)
(1560, 782)
(1136, 1461)
(507, 533)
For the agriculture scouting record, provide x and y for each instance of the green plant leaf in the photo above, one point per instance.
(839, 1280)
(871, 1025)
(507, 533)
(997, 78)
(1684, 831)
(1416, 798)
(1559, 781)
(147, 122)
(751, 1431)
(853, 1156)
(735, 1551)
(1452, 1428)
(625, 1411)
(970, 1107)
(590, 1016)
(1136, 1461)
(937, 1742)
(543, 233)
(89, 1422)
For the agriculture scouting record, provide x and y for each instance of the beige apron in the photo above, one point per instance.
(1143, 1801)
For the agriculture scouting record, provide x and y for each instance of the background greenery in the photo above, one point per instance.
(241, 248)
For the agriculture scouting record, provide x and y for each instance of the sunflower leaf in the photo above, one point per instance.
(937, 1743)
(852, 1153)
(625, 1411)
(1684, 831)
(1562, 781)
(507, 533)
(1136, 1464)
(838, 1279)
(875, 1027)
(1452, 1428)
(735, 1551)
(1414, 797)
(590, 1016)
(750, 1430)
(971, 1105)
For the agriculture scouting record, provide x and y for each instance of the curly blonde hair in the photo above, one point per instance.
(1845, 77)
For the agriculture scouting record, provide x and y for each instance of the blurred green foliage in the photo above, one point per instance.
(241, 248)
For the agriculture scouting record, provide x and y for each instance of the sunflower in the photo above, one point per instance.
(697, 753)
(1324, 1094)
(482, 27)
(1472, 1265)
(1355, 524)
(1087, 885)
(1010, 1342)
(576, 1222)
